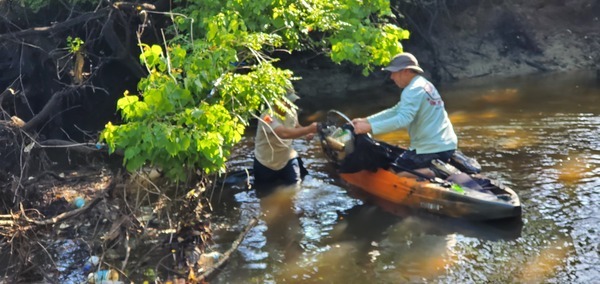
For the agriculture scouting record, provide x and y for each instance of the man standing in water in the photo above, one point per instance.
(421, 110)
(275, 161)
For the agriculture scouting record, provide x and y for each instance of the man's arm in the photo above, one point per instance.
(297, 132)
(403, 113)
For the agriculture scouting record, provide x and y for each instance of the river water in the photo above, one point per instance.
(540, 135)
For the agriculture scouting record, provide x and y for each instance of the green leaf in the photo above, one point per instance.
(217, 69)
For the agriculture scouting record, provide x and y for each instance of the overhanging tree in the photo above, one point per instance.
(215, 69)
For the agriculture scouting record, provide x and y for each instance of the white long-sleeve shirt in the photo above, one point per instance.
(421, 110)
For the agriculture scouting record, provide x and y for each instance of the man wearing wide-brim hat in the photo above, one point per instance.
(420, 110)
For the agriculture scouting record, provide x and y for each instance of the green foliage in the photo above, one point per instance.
(216, 73)
(74, 44)
(349, 30)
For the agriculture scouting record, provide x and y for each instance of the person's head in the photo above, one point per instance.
(291, 97)
(404, 67)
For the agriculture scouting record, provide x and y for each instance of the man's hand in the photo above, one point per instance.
(361, 126)
(313, 128)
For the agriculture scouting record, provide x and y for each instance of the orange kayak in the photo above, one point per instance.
(438, 198)
(369, 165)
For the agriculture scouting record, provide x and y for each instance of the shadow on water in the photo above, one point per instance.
(383, 214)
(305, 230)
(537, 135)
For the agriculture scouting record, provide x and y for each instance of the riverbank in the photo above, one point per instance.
(476, 39)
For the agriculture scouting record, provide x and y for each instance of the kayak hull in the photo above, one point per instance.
(438, 198)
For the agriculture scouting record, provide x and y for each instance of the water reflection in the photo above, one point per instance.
(543, 265)
(508, 96)
(537, 134)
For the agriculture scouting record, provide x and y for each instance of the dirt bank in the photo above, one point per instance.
(477, 38)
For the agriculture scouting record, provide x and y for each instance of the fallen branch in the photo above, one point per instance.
(209, 272)
(50, 109)
(58, 26)
(11, 89)
(61, 217)
(84, 148)
(7, 220)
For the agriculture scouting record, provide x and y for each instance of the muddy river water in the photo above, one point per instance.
(540, 135)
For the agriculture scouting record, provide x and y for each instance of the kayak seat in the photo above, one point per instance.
(487, 184)
(464, 163)
(443, 170)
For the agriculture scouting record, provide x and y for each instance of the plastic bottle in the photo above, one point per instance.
(78, 201)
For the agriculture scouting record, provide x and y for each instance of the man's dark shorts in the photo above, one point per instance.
(410, 159)
(292, 173)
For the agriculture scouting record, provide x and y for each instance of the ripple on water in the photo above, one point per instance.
(543, 143)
